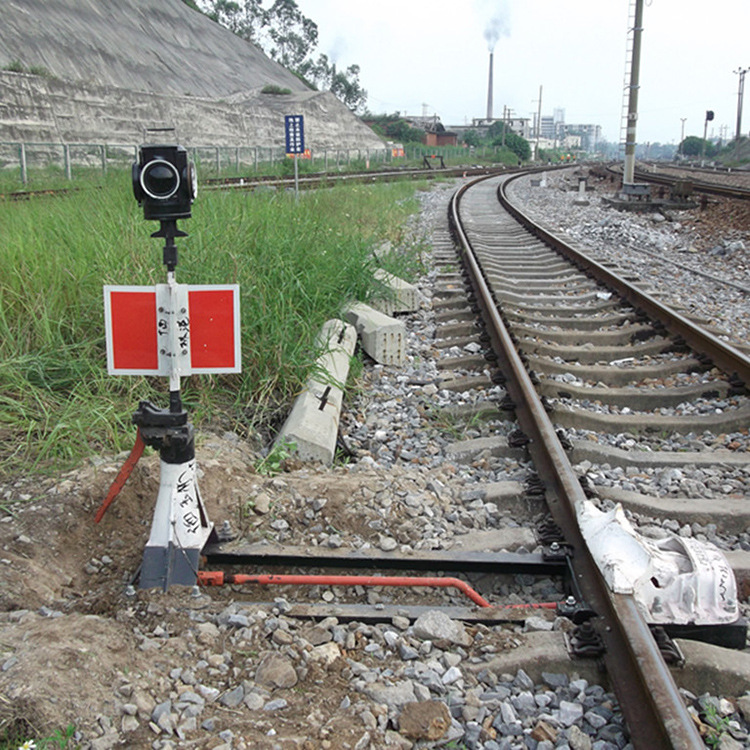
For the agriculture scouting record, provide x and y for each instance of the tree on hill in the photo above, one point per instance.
(287, 36)
(394, 128)
(343, 84)
(292, 34)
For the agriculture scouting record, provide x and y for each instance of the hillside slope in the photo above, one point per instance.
(160, 46)
(110, 69)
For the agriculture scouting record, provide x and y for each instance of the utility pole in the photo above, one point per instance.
(682, 134)
(538, 123)
(629, 168)
(740, 93)
(489, 89)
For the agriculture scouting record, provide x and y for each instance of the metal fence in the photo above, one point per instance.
(75, 159)
(211, 160)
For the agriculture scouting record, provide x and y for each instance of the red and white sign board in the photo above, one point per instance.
(163, 330)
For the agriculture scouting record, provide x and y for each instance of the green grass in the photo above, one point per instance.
(16, 735)
(86, 164)
(296, 265)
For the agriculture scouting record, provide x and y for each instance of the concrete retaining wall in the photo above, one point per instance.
(39, 109)
(160, 46)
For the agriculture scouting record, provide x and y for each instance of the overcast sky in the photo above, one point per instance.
(432, 55)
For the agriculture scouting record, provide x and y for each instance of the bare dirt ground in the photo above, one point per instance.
(77, 649)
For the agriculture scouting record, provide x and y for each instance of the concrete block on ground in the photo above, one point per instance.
(383, 249)
(541, 652)
(709, 668)
(313, 424)
(402, 297)
(495, 540)
(382, 337)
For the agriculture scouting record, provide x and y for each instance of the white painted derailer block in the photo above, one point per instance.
(674, 580)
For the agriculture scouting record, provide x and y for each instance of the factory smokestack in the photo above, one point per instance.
(489, 89)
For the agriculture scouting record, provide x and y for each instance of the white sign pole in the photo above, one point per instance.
(296, 178)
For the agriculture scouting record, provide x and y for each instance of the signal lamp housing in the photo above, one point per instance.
(164, 182)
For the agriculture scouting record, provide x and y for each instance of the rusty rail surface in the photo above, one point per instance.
(656, 714)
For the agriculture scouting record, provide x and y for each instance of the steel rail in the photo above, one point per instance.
(368, 176)
(699, 185)
(725, 356)
(656, 714)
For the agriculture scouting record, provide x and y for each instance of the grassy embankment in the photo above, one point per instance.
(296, 266)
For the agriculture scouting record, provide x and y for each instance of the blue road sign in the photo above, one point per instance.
(295, 134)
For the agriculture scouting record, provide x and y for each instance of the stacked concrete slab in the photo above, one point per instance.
(382, 337)
(311, 429)
(400, 297)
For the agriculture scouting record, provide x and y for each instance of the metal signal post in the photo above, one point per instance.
(180, 527)
(294, 131)
(172, 330)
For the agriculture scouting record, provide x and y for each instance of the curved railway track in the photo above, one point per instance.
(528, 427)
(576, 357)
(557, 319)
(306, 181)
(310, 181)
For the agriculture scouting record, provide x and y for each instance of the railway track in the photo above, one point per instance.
(306, 181)
(444, 473)
(703, 181)
(310, 181)
(576, 323)
(461, 456)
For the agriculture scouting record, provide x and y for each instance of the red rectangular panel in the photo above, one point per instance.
(212, 328)
(133, 321)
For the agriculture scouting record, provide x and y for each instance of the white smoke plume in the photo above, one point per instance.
(337, 50)
(498, 25)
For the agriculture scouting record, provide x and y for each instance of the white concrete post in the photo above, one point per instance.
(22, 160)
(66, 159)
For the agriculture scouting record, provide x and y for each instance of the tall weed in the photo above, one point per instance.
(297, 264)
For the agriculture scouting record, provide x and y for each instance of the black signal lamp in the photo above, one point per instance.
(164, 182)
